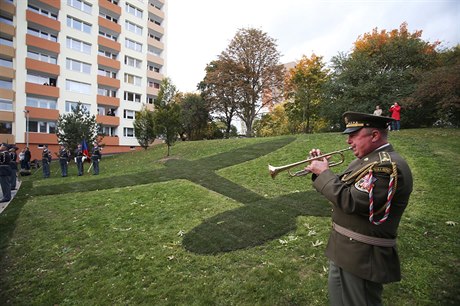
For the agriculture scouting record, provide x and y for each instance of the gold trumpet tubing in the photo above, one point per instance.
(275, 170)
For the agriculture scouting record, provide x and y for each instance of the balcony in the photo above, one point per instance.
(110, 141)
(157, 44)
(8, 8)
(42, 90)
(153, 26)
(111, 44)
(115, 27)
(7, 29)
(43, 44)
(7, 138)
(6, 116)
(109, 101)
(155, 59)
(108, 120)
(43, 20)
(43, 113)
(154, 75)
(152, 91)
(42, 138)
(7, 94)
(106, 81)
(153, 10)
(110, 7)
(52, 3)
(108, 62)
(8, 51)
(48, 68)
(7, 73)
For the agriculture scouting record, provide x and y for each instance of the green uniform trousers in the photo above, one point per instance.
(346, 289)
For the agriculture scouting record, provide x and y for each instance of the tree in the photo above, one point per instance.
(166, 116)
(194, 116)
(274, 123)
(436, 98)
(380, 70)
(74, 127)
(144, 127)
(304, 87)
(252, 61)
(219, 89)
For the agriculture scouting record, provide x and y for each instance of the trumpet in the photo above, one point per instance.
(275, 170)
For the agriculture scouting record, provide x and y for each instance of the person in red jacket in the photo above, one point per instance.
(395, 111)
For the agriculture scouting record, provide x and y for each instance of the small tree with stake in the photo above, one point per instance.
(73, 127)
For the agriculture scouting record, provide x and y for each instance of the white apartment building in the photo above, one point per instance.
(107, 54)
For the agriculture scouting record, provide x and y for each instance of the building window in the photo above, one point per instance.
(133, 28)
(128, 132)
(8, 84)
(70, 105)
(107, 92)
(78, 45)
(107, 54)
(6, 20)
(107, 35)
(133, 45)
(107, 130)
(108, 17)
(42, 34)
(42, 11)
(78, 66)
(132, 79)
(133, 10)
(80, 5)
(6, 127)
(42, 57)
(78, 25)
(78, 87)
(129, 114)
(133, 62)
(6, 105)
(6, 42)
(40, 102)
(6, 63)
(41, 79)
(107, 73)
(131, 96)
(47, 127)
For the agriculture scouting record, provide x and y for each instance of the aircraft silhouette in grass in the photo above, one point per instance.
(259, 220)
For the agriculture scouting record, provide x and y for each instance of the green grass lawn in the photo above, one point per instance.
(208, 226)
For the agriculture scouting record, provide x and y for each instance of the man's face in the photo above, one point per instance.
(361, 142)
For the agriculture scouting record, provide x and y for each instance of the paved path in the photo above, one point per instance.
(13, 194)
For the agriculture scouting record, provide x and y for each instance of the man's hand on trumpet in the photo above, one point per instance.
(317, 166)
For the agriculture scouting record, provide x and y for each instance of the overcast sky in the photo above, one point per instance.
(199, 30)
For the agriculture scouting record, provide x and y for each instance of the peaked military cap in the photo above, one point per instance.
(355, 121)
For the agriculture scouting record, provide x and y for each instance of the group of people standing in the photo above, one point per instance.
(8, 170)
(64, 155)
(395, 113)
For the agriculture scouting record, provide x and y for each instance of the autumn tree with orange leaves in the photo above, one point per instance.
(380, 70)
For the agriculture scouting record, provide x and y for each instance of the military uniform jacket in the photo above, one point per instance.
(5, 167)
(351, 210)
(96, 153)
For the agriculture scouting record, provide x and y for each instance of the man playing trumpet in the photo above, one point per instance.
(64, 157)
(368, 200)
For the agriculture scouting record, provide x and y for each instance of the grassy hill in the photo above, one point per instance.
(209, 226)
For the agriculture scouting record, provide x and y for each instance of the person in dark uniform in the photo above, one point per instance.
(46, 160)
(96, 157)
(14, 166)
(64, 156)
(5, 173)
(27, 159)
(368, 200)
(79, 159)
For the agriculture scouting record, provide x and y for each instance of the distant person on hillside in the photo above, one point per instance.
(46, 160)
(27, 158)
(79, 159)
(5, 173)
(368, 200)
(395, 111)
(96, 157)
(378, 111)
